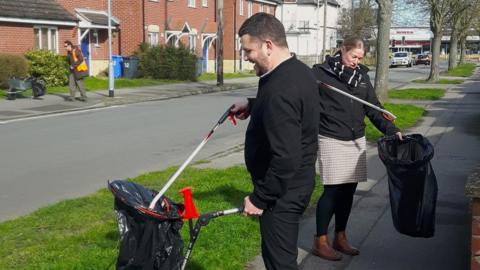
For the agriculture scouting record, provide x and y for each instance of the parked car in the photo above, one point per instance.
(423, 59)
(401, 59)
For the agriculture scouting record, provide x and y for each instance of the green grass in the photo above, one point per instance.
(441, 81)
(463, 70)
(226, 76)
(417, 93)
(407, 116)
(82, 233)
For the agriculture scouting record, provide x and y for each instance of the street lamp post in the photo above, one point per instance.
(110, 61)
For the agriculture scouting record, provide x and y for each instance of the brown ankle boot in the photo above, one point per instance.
(341, 244)
(322, 249)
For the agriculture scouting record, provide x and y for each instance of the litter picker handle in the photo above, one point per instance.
(358, 99)
(189, 159)
(225, 115)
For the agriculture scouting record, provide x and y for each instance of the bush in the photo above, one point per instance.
(48, 66)
(168, 62)
(12, 66)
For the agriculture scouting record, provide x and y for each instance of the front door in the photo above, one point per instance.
(85, 46)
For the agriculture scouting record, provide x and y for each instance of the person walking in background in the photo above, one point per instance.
(78, 71)
(342, 154)
(281, 139)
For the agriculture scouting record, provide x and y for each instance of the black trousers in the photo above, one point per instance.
(336, 199)
(279, 228)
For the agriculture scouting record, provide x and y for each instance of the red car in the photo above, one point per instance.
(423, 59)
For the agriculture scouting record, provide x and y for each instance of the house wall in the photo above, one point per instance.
(304, 37)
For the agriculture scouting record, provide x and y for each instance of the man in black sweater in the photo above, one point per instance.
(281, 139)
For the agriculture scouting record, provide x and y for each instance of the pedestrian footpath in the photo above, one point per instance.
(56, 103)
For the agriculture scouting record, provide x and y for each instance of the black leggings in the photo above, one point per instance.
(336, 199)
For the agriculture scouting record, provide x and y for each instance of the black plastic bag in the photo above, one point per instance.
(412, 183)
(149, 240)
(38, 88)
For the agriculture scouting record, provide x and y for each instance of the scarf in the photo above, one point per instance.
(347, 75)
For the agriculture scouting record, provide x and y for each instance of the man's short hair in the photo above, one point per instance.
(264, 26)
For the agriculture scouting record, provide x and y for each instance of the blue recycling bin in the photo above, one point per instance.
(117, 66)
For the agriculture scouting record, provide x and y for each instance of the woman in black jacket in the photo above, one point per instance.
(341, 140)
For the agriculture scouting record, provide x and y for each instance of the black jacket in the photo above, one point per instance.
(281, 138)
(341, 117)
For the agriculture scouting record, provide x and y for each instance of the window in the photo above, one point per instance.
(46, 38)
(153, 38)
(95, 38)
(241, 8)
(205, 3)
(191, 42)
(191, 3)
(250, 8)
(268, 9)
(260, 8)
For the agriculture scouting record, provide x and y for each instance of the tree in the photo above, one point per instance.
(384, 15)
(438, 12)
(359, 21)
(468, 19)
(458, 8)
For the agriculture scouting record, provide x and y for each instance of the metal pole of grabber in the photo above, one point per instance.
(358, 99)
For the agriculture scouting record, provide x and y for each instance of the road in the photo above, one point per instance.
(69, 155)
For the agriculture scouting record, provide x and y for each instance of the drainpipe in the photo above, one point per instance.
(143, 19)
(235, 35)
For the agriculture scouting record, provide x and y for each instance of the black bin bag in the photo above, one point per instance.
(412, 183)
(149, 240)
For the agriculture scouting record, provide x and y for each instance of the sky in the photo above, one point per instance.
(407, 13)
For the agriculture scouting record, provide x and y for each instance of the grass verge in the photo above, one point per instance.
(417, 93)
(226, 76)
(441, 81)
(82, 233)
(407, 116)
(463, 70)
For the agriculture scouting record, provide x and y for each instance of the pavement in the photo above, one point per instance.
(20, 108)
(452, 124)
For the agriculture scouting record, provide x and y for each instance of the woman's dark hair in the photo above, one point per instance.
(68, 42)
(264, 26)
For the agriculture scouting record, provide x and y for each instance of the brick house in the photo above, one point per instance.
(45, 24)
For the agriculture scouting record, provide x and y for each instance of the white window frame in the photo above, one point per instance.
(260, 7)
(268, 9)
(240, 12)
(191, 3)
(153, 38)
(204, 3)
(192, 42)
(49, 37)
(250, 8)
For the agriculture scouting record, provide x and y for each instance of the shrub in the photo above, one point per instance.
(48, 66)
(168, 62)
(12, 66)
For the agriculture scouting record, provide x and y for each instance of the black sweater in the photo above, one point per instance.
(281, 138)
(343, 118)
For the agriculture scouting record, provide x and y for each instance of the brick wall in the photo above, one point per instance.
(16, 38)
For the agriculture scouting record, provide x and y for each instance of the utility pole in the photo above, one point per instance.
(324, 29)
(110, 62)
(219, 45)
(318, 60)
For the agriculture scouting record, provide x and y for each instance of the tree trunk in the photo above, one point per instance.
(463, 41)
(436, 27)
(383, 41)
(452, 56)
